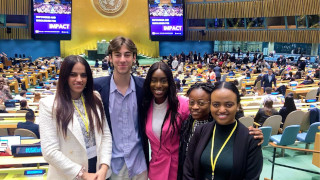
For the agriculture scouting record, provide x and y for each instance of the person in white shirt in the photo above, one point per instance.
(269, 96)
(21, 96)
(175, 63)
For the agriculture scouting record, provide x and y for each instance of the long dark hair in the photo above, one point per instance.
(207, 87)
(63, 106)
(289, 104)
(171, 95)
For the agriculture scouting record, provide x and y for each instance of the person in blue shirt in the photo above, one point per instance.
(122, 96)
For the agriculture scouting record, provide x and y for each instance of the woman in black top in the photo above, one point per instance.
(287, 108)
(265, 112)
(214, 149)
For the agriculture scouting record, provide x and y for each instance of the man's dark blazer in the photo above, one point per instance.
(265, 81)
(102, 85)
(247, 155)
(30, 126)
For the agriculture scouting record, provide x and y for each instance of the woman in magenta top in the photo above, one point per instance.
(164, 114)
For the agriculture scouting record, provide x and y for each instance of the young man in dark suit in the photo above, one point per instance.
(268, 79)
(122, 96)
(29, 124)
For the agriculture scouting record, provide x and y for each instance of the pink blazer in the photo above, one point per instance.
(164, 161)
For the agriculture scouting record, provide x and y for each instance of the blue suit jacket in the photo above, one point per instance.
(30, 126)
(266, 83)
(102, 85)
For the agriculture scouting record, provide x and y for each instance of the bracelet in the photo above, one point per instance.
(81, 172)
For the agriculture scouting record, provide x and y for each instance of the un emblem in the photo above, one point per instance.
(110, 7)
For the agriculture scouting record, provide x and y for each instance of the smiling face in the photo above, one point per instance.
(159, 86)
(77, 80)
(122, 60)
(199, 104)
(224, 106)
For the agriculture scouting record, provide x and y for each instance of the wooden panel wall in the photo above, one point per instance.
(247, 9)
(294, 36)
(15, 7)
(16, 33)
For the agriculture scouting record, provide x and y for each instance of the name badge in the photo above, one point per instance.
(92, 152)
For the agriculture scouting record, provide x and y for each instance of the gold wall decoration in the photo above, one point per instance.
(89, 27)
(110, 8)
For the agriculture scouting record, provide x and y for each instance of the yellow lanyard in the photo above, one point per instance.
(85, 120)
(213, 164)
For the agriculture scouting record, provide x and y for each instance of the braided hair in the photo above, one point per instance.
(208, 88)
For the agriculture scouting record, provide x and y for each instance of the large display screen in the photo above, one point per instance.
(52, 19)
(166, 20)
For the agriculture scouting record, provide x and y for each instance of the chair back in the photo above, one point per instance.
(293, 118)
(305, 124)
(258, 85)
(3, 132)
(273, 121)
(311, 134)
(289, 135)
(25, 133)
(266, 130)
(312, 94)
(246, 121)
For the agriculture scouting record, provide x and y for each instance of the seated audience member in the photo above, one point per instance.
(199, 69)
(29, 124)
(243, 92)
(97, 63)
(184, 82)
(298, 74)
(4, 91)
(269, 96)
(53, 85)
(37, 97)
(317, 73)
(293, 82)
(265, 112)
(308, 80)
(104, 65)
(287, 108)
(47, 91)
(22, 95)
(231, 73)
(24, 105)
(3, 109)
(255, 91)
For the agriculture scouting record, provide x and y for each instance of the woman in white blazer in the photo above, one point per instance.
(75, 138)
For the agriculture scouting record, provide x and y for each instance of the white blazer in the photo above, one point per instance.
(66, 156)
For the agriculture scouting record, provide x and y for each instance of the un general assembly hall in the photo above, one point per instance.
(160, 89)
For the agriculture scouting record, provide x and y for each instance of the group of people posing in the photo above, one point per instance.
(101, 128)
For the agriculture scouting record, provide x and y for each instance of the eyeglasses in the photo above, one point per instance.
(199, 103)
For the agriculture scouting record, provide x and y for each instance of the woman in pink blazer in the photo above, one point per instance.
(164, 114)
